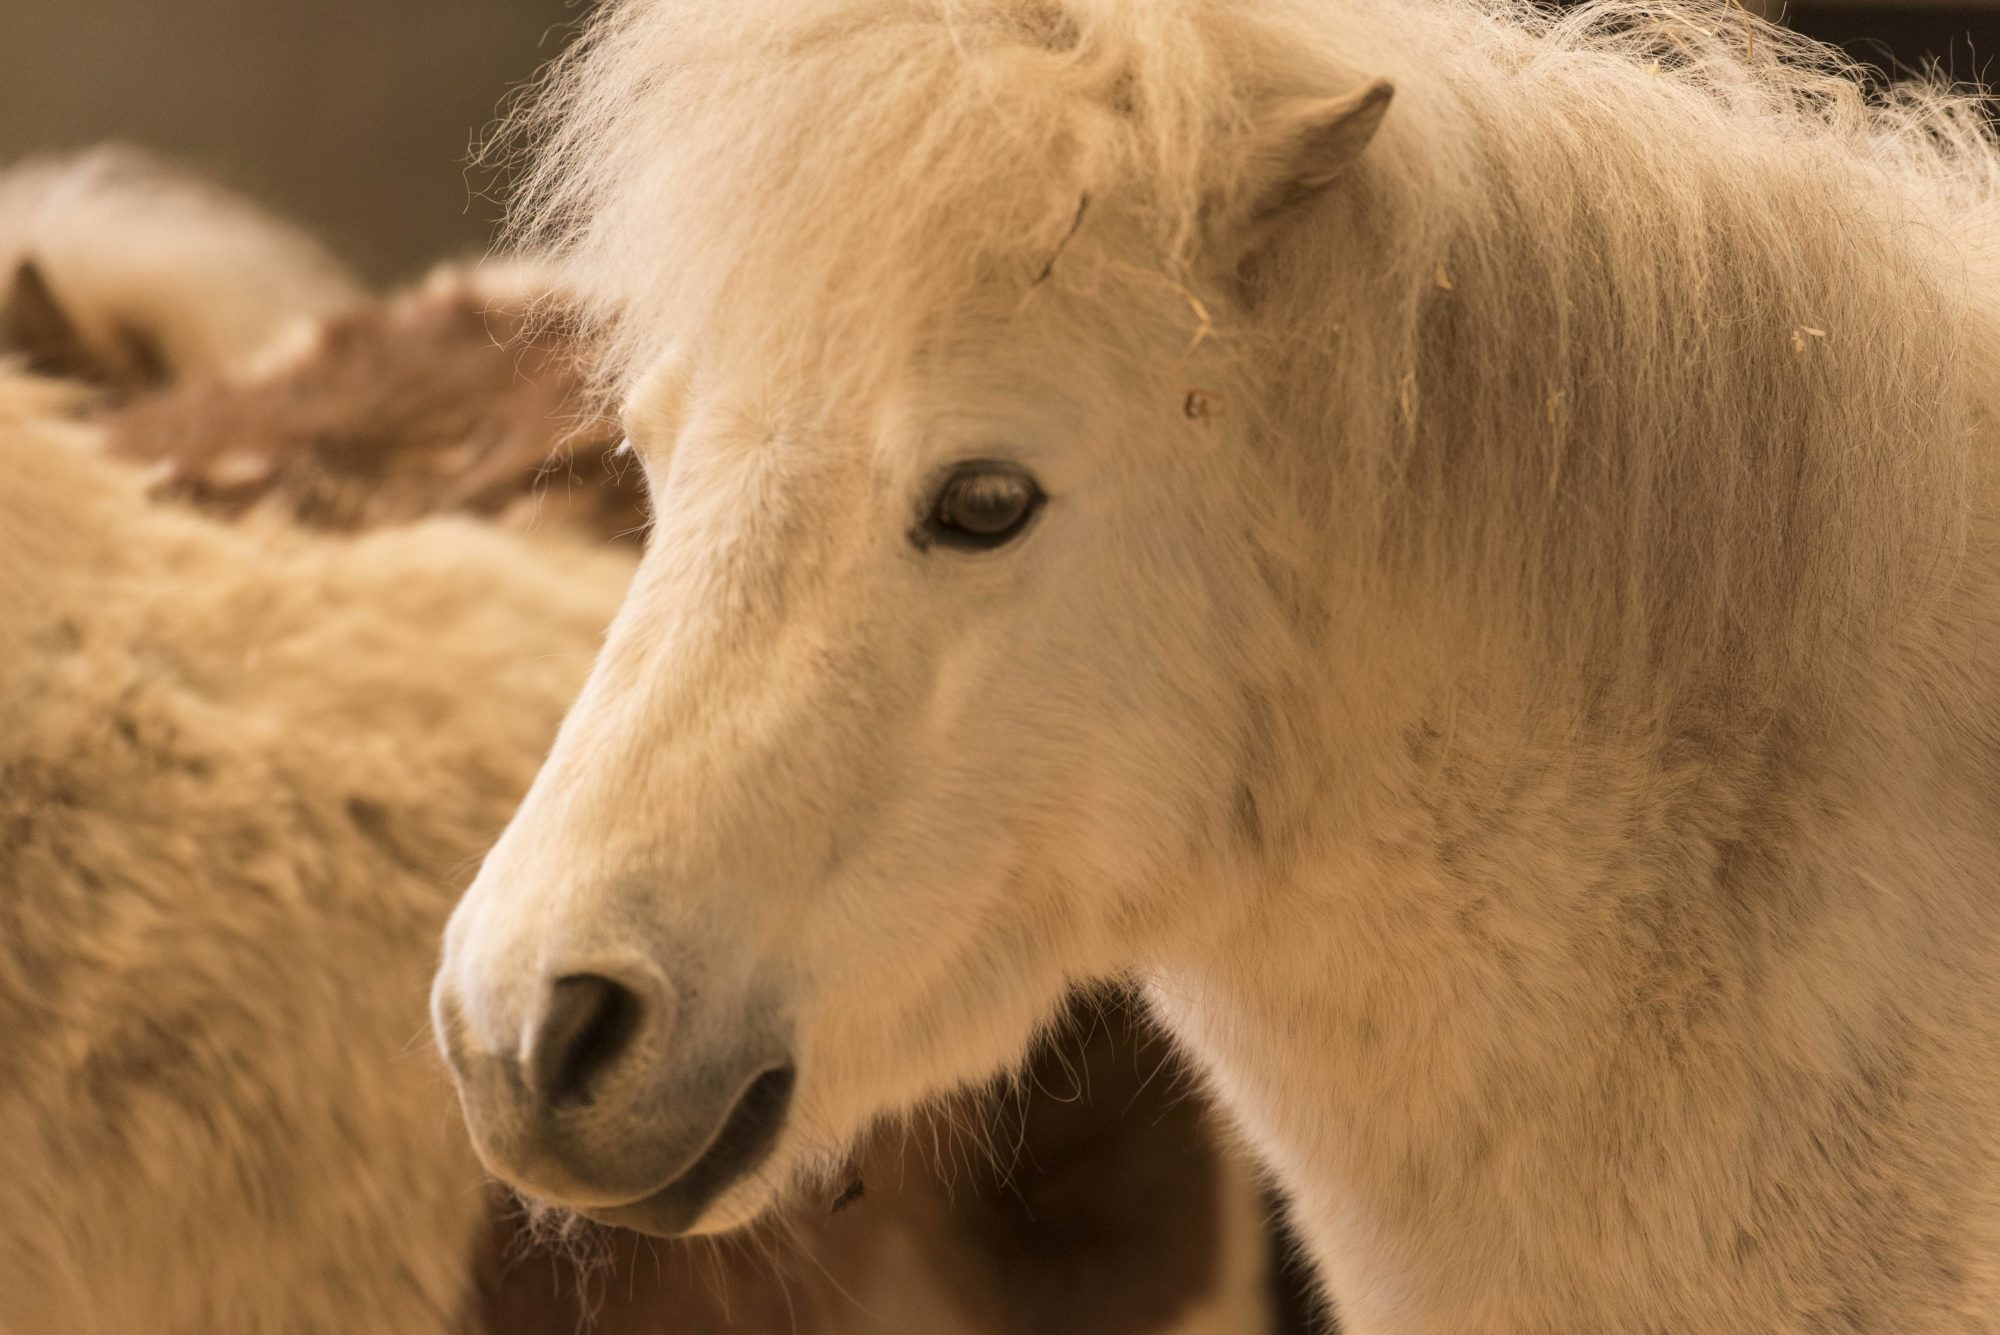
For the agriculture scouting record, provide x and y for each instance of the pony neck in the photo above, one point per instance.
(1559, 994)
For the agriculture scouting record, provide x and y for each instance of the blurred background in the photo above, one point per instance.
(353, 116)
(356, 116)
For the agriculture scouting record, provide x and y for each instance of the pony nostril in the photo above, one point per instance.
(590, 1022)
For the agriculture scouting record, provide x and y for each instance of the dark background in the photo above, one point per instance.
(1962, 39)
(356, 116)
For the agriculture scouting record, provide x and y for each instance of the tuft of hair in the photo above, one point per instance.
(435, 400)
(154, 272)
(1651, 326)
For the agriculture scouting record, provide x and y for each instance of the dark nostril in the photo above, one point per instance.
(590, 1022)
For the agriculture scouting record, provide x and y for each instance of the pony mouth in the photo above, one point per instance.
(746, 1139)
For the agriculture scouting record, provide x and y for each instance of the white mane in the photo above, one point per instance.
(1647, 322)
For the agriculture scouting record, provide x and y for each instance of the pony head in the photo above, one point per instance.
(934, 694)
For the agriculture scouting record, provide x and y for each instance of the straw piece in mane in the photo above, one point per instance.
(156, 272)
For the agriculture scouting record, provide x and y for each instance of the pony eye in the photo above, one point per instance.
(978, 506)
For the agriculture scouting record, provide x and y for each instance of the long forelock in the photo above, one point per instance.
(840, 172)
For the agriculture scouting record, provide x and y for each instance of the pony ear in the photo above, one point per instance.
(1302, 147)
(35, 327)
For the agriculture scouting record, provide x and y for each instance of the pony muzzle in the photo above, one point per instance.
(613, 1103)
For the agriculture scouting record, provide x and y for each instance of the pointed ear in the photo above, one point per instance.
(1303, 146)
(35, 327)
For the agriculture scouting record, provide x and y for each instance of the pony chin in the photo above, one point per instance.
(761, 1193)
(945, 1040)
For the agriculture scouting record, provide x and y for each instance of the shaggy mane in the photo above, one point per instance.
(1646, 326)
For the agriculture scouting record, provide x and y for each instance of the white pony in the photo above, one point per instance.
(121, 269)
(1482, 595)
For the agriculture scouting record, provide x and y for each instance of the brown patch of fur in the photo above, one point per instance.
(436, 402)
(1109, 1222)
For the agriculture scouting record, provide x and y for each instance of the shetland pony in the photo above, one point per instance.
(1454, 542)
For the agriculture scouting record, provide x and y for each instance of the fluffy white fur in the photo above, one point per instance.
(1507, 655)
(243, 774)
(129, 243)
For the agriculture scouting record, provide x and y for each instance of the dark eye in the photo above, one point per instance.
(978, 506)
